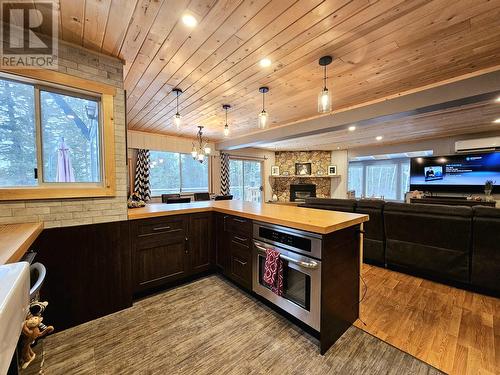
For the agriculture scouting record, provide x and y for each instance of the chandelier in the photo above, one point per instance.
(201, 149)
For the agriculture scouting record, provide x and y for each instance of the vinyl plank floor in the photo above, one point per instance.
(211, 327)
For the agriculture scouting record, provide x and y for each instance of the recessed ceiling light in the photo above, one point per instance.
(352, 128)
(189, 20)
(265, 62)
(379, 138)
(497, 121)
(497, 99)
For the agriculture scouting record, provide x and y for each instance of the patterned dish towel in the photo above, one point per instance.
(273, 271)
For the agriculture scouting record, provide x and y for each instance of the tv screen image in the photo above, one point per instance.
(455, 173)
(433, 173)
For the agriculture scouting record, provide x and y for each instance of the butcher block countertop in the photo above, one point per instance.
(312, 220)
(16, 239)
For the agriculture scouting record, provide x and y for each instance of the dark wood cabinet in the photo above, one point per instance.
(200, 242)
(221, 243)
(234, 248)
(170, 248)
(160, 251)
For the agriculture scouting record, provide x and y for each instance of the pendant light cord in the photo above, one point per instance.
(177, 99)
(324, 78)
(263, 106)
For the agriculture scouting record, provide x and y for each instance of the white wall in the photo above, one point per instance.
(339, 185)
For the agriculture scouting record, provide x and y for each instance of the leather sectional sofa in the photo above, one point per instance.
(452, 244)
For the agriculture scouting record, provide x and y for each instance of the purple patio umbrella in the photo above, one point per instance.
(64, 168)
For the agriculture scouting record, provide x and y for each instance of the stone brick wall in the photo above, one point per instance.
(86, 64)
(320, 160)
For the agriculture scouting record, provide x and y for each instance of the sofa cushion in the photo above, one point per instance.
(486, 248)
(433, 239)
(346, 205)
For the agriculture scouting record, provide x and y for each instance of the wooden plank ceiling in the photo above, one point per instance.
(381, 48)
(465, 119)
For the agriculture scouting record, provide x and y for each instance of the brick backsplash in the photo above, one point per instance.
(80, 62)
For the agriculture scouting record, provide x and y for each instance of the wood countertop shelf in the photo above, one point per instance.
(16, 239)
(312, 220)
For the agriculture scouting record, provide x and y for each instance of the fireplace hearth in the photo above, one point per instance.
(299, 192)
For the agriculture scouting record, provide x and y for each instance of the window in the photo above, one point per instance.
(387, 179)
(171, 172)
(245, 178)
(52, 139)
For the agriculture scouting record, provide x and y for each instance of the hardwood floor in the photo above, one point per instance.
(454, 330)
(211, 327)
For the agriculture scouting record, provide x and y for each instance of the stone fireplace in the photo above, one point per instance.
(299, 192)
(282, 185)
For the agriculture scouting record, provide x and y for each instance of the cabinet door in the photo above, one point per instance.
(160, 264)
(221, 243)
(240, 264)
(200, 242)
(159, 251)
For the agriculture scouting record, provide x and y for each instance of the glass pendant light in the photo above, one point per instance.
(226, 126)
(324, 97)
(263, 115)
(177, 116)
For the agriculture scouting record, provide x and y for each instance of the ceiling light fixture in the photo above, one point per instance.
(379, 138)
(265, 62)
(226, 126)
(177, 116)
(352, 128)
(263, 115)
(202, 149)
(189, 20)
(324, 97)
(497, 121)
(497, 99)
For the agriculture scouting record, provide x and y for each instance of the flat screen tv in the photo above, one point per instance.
(465, 173)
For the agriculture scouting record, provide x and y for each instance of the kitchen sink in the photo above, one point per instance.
(14, 302)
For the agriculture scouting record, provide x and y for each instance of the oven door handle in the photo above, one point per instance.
(310, 265)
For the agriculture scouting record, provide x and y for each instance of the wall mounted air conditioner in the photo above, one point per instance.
(478, 145)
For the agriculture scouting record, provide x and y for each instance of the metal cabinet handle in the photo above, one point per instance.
(240, 262)
(300, 263)
(239, 220)
(161, 228)
(241, 239)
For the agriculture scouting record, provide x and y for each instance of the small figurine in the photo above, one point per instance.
(33, 330)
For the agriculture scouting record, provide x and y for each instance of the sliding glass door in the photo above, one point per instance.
(245, 179)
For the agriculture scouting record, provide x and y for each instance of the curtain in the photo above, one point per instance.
(224, 173)
(141, 183)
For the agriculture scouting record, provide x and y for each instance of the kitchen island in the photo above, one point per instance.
(321, 252)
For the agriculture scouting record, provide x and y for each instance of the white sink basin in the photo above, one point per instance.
(14, 302)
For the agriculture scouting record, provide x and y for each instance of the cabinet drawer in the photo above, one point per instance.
(239, 225)
(241, 242)
(241, 267)
(162, 225)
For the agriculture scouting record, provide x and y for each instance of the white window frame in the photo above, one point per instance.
(180, 173)
(400, 194)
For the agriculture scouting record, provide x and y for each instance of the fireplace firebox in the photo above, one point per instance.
(299, 192)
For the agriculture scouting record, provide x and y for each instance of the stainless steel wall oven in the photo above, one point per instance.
(301, 253)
